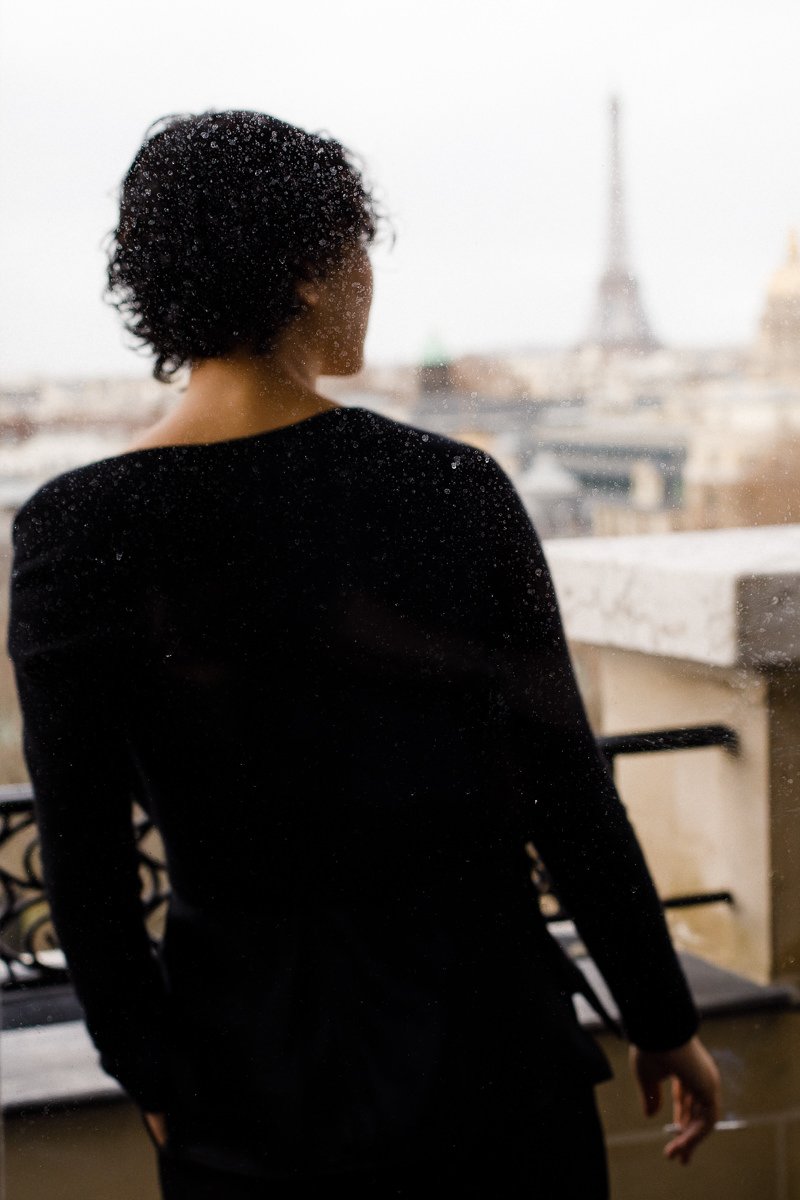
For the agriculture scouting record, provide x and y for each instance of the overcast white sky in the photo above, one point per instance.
(484, 123)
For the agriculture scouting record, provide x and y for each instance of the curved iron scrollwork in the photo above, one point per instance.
(26, 934)
(29, 951)
(549, 902)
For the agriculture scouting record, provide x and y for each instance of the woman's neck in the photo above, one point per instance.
(239, 395)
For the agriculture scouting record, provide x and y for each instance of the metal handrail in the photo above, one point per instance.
(651, 741)
(655, 741)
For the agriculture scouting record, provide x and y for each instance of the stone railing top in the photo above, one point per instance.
(728, 597)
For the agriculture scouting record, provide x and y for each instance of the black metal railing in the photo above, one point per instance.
(654, 741)
(29, 952)
(657, 741)
(690, 737)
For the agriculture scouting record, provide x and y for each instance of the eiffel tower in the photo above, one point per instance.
(619, 322)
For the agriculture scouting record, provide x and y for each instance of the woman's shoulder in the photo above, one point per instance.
(80, 502)
(409, 435)
(427, 448)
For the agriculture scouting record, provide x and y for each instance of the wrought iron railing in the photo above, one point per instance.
(29, 953)
(655, 741)
(693, 737)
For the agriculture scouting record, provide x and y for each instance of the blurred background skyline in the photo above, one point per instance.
(485, 128)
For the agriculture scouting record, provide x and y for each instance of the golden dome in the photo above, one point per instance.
(785, 283)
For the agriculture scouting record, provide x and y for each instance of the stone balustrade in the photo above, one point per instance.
(700, 628)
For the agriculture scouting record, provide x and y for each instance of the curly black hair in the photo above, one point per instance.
(221, 215)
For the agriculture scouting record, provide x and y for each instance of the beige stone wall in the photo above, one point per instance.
(101, 1152)
(98, 1152)
(703, 816)
(784, 791)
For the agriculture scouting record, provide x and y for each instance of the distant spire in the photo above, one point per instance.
(620, 322)
(617, 240)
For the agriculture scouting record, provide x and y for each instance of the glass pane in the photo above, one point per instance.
(421, 310)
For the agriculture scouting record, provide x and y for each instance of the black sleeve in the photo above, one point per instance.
(568, 802)
(67, 647)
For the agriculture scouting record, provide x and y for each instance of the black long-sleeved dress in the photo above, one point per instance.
(328, 660)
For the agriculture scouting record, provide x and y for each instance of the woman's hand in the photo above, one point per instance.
(157, 1124)
(696, 1093)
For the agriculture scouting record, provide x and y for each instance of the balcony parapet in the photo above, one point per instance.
(723, 597)
(687, 629)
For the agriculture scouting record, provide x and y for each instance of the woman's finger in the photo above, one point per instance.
(694, 1131)
(682, 1103)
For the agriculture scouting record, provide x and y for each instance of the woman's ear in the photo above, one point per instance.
(308, 290)
(308, 293)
